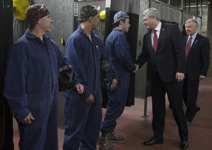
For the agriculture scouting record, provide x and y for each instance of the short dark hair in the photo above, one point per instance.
(117, 23)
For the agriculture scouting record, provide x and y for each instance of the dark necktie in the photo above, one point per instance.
(188, 46)
(155, 40)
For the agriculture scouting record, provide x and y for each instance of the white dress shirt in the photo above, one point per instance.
(193, 38)
(158, 28)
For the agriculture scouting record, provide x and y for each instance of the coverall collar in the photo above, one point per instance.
(115, 29)
(83, 32)
(28, 34)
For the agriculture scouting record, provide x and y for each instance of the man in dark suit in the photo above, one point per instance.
(197, 62)
(163, 46)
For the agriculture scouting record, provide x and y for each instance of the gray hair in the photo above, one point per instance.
(195, 23)
(151, 12)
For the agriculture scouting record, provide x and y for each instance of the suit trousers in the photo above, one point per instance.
(190, 93)
(174, 92)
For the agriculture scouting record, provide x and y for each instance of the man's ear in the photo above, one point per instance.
(90, 18)
(154, 17)
(38, 22)
(121, 22)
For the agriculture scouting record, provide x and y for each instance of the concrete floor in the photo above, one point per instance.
(136, 129)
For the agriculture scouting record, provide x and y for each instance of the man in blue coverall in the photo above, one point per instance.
(31, 82)
(119, 55)
(83, 113)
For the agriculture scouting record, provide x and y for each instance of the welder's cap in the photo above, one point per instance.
(86, 12)
(34, 13)
(121, 15)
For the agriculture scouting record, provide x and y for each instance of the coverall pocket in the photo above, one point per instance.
(39, 64)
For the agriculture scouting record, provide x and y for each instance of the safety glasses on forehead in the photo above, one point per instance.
(92, 10)
(43, 7)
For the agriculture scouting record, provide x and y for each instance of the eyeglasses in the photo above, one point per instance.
(43, 7)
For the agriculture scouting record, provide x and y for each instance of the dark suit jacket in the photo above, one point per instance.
(170, 55)
(198, 58)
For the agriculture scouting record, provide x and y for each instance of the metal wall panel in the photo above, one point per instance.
(118, 5)
(199, 20)
(126, 6)
(187, 16)
(180, 20)
(169, 14)
(134, 6)
(175, 15)
(19, 28)
(141, 84)
(131, 6)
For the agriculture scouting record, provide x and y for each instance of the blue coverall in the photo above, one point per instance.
(119, 55)
(31, 85)
(83, 120)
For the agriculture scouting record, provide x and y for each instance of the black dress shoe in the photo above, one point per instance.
(196, 110)
(152, 141)
(188, 123)
(184, 145)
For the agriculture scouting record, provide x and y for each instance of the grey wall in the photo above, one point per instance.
(141, 74)
(131, 6)
(205, 20)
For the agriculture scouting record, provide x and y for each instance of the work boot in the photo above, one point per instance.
(104, 142)
(116, 138)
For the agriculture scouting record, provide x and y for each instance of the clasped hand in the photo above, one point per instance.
(137, 67)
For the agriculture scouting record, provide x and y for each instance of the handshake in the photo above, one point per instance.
(137, 67)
